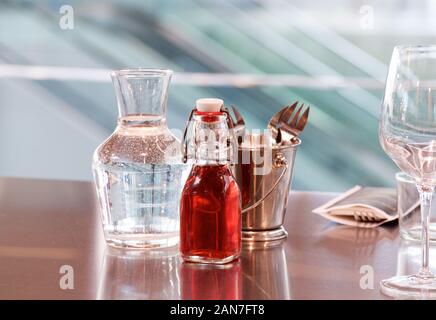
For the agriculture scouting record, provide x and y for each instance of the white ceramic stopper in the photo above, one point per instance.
(209, 104)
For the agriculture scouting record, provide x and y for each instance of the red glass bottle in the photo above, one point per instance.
(210, 221)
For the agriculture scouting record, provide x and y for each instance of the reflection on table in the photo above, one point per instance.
(265, 274)
(211, 282)
(409, 257)
(260, 273)
(135, 274)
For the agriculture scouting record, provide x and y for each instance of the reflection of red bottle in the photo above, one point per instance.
(210, 221)
(211, 282)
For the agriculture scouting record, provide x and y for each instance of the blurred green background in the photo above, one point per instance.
(57, 102)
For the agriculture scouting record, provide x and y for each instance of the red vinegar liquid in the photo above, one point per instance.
(210, 221)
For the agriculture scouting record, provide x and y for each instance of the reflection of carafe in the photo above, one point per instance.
(211, 282)
(138, 170)
(265, 271)
(126, 274)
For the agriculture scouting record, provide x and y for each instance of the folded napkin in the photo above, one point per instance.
(363, 207)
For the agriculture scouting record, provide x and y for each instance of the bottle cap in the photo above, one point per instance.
(209, 104)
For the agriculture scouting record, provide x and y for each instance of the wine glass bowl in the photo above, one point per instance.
(407, 133)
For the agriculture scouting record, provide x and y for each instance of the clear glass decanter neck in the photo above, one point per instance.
(141, 95)
(141, 121)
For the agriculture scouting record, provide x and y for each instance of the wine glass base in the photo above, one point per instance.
(409, 287)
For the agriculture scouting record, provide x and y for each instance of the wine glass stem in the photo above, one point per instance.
(425, 194)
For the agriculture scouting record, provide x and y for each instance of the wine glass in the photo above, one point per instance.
(407, 133)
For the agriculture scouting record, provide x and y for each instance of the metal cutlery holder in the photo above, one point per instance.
(264, 185)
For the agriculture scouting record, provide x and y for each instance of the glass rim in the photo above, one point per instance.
(142, 72)
(415, 47)
(404, 177)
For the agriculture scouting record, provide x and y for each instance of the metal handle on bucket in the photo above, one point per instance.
(280, 161)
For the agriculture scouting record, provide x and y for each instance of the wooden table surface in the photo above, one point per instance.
(50, 234)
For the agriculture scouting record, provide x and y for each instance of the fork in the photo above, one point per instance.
(291, 124)
(273, 124)
(365, 217)
(238, 126)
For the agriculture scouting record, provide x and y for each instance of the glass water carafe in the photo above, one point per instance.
(138, 170)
